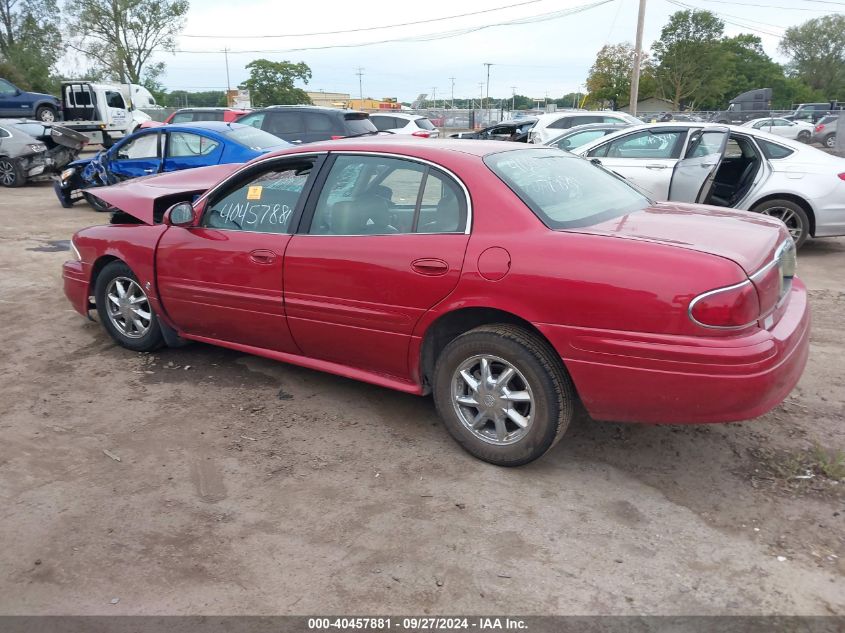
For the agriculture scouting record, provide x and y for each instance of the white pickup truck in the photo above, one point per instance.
(104, 113)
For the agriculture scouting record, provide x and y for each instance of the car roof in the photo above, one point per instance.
(749, 131)
(212, 126)
(399, 144)
(401, 115)
(210, 109)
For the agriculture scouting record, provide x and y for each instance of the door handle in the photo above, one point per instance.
(296, 142)
(430, 267)
(149, 171)
(655, 166)
(705, 165)
(262, 256)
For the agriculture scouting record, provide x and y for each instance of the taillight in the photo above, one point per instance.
(819, 127)
(421, 134)
(735, 306)
(841, 176)
(336, 137)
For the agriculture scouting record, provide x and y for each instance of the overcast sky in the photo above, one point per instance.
(551, 56)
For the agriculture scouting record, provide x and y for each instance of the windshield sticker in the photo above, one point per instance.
(254, 192)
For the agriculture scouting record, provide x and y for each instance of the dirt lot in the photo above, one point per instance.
(248, 486)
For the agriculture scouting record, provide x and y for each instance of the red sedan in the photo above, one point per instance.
(507, 281)
(192, 115)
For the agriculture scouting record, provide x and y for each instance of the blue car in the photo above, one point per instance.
(162, 149)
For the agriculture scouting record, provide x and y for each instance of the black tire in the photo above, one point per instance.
(804, 136)
(829, 141)
(151, 339)
(11, 173)
(537, 367)
(45, 114)
(97, 204)
(792, 214)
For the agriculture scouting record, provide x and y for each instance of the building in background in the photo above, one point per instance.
(238, 99)
(388, 103)
(329, 99)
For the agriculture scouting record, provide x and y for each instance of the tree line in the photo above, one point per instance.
(695, 66)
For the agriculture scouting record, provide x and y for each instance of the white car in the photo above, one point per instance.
(551, 124)
(731, 166)
(796, 130)
(398, 123)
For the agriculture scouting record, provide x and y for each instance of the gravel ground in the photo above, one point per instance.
(248, 486)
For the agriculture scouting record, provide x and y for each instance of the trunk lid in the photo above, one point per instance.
(148, 197)
(748, 239)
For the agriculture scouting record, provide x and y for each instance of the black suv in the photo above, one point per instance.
(306, 124)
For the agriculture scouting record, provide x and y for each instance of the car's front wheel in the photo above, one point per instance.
(125, 309)
(45, 114)
(96, 203)
(804, 136)
(830, 141)
(11, 173)
(791, 214)
(503, 394)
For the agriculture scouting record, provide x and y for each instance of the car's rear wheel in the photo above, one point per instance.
(830, 141)
(804, 136)
(791, 214)
(125, 309)
(46, 114)
(503, 394)
(11, 173)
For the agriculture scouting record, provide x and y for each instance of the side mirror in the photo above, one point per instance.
(180, 214)
(596, 162)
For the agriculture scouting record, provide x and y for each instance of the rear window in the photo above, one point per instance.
(424, 124)
(33, 129)
(828, 119)
(358, 123)
(253, 138)
(565, 191)
(773, 150)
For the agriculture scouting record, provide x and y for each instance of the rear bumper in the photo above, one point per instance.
(76, 286)
(626, 377)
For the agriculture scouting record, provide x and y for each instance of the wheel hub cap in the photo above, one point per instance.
(492, 399)
(128, 307)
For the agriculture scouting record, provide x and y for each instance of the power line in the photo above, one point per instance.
(371, 28)
(769, 6)
(734, 22)
(543, 17)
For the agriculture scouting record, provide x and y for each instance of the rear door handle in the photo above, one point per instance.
(655, 166)
(149, 171)
(262, 256)
(430, 267)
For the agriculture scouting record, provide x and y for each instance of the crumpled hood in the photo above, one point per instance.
(148, 197)
(748, 239)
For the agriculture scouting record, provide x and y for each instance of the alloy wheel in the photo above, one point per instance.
(492, 399)
(794, 223)
(47, 116)
(8, 176)
(128, 307)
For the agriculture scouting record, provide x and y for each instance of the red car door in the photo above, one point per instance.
(222, 279)
(381, 243)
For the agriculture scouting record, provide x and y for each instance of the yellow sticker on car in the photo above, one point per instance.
(254, 192)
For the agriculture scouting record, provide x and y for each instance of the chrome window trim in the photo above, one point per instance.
(204, 197)
(424, 161)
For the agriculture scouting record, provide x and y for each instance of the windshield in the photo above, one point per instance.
(253, 138)
(565, 191)
(425, 124)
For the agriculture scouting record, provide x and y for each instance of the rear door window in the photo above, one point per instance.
(184, 144)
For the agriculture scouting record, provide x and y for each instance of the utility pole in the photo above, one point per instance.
(434, 95)
(360, 74)
(513, 100)
(226, 55)
(638, 54)
(452, 79)
(488, 90)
